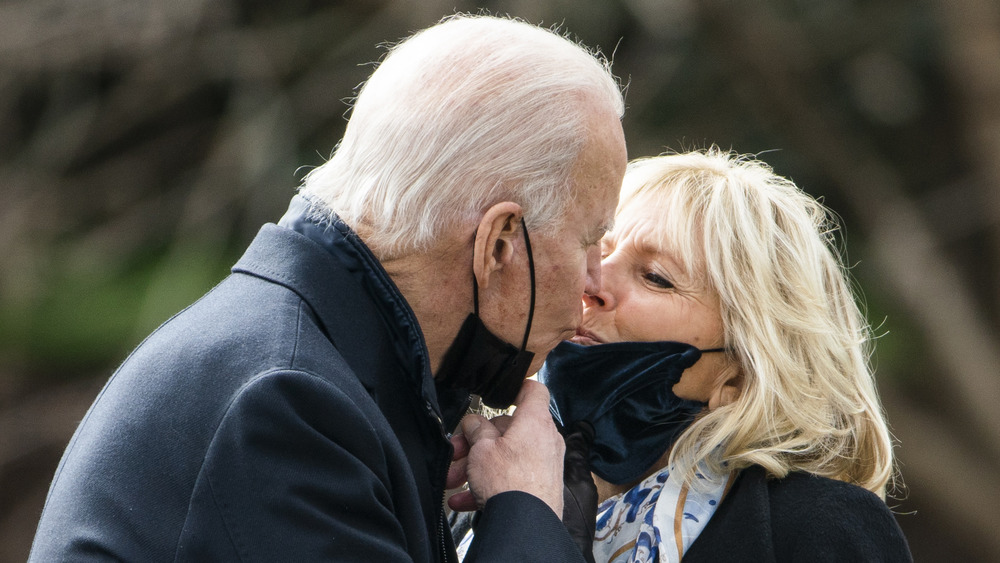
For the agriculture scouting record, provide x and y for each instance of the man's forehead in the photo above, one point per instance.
(597, 213)
(597, 176)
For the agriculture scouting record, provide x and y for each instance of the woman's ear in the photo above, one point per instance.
(728, 392)
(493, 246)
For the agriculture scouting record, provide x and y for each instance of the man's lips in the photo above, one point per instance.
(586, 338)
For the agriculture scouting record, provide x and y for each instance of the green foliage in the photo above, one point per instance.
(79, 321)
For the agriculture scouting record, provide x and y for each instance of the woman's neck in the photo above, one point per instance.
(607, 490)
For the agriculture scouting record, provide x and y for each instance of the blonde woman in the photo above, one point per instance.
(724, 369)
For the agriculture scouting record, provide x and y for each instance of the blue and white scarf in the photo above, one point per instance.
(657, 520)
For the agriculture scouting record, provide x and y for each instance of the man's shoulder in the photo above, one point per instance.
(242, 318)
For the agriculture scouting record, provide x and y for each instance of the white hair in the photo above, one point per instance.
(465, 114)
(791, 322)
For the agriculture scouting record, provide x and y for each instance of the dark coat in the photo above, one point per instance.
(288, 415)
(799, 518)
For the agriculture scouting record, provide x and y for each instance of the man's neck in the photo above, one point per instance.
(437, 285)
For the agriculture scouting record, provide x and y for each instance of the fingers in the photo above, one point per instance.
(457, 473)
(579, 439)
(585, 430)
(476, 429)
(502, 423)
(579, 490)
(522, 452)
(463, 501)
(533, 400)
(461, 446)
(532, 416)
(576, 462)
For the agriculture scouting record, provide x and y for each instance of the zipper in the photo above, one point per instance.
(441, 521)
(442, 524)
(441, 527)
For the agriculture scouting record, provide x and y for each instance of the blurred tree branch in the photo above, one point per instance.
(758, 45)
(972, 47)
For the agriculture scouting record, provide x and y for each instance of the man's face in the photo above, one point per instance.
(568, 263)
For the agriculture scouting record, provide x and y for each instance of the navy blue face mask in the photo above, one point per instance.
(624, 390)
(480, 362)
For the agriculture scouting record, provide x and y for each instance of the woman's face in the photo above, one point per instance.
(646, 295)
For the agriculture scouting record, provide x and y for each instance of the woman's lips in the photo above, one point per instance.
(585, 338)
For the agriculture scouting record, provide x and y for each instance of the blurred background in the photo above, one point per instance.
(144, 142)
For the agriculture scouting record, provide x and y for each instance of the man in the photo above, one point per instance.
(301, 410)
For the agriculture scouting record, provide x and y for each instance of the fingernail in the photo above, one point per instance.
(471, 424)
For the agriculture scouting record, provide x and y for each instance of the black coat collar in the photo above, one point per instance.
(333, 271)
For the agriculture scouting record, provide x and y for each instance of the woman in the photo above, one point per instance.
(724, 368)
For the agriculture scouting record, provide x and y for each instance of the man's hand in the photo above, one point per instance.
(522, 452)
(460, 500)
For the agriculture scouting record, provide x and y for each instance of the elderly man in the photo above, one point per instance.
(302, 409)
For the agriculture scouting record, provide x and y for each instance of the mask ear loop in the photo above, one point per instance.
(531, 268)
(475, 295)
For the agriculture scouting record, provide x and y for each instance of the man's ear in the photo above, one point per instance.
(493, 247)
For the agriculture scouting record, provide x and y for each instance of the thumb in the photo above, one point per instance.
(476, 428)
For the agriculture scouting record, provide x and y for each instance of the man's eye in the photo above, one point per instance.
(658, 280)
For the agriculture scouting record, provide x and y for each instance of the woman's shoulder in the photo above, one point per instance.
(801, 499)
(813, 492)
(799, 517)
(829, 516)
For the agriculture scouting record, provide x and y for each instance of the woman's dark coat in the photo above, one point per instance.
(799, 518)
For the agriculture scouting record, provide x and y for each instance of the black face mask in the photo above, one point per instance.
(624, 390)
(479, 362)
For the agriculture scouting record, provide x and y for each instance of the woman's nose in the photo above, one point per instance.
(593, 283)
(592, 300)
(602, 297)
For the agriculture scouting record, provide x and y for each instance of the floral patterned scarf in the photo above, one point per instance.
(657, 520)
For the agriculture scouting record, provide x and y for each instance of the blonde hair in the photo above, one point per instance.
(467, 113)
(808, 401)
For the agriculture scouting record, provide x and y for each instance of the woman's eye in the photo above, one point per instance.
(658, 280)
(606, 249)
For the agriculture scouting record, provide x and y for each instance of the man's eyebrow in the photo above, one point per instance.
(595, 235)
(606, 227)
